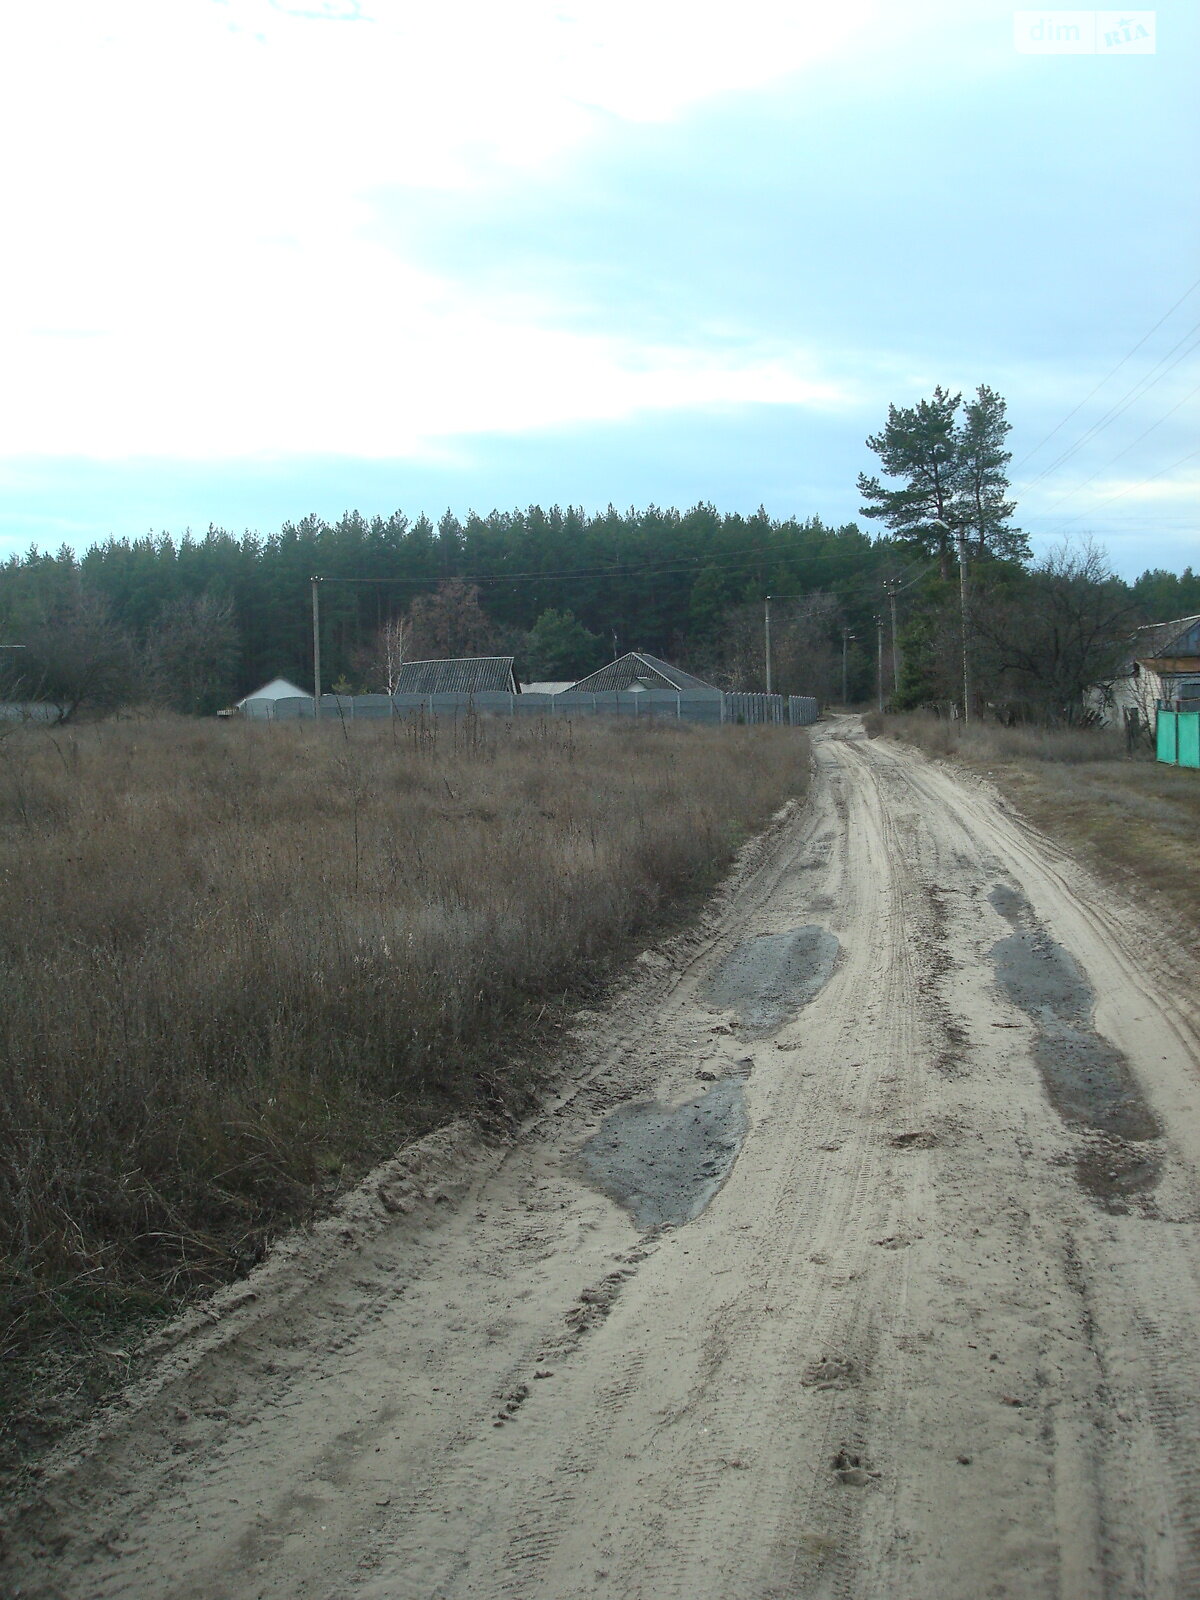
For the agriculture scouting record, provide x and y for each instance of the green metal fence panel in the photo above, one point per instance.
(1166, 742)
(1189, 738)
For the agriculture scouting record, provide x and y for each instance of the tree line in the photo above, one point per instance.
(198, 621)
(193, 623)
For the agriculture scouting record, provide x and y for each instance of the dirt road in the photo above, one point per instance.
(897, 1296)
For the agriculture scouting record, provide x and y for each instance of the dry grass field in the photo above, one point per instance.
(242, 963)
(1133, 820)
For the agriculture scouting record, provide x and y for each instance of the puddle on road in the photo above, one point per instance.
(664, 1163)
(768, 979)
(1088, 1080)
(1042, 979)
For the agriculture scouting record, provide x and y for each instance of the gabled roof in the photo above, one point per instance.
(640, 671)
(278, 689)
(1178, 638)
(547, 686)
(469, 675)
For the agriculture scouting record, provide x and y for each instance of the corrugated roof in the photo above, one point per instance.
(470, 675)
(642, 671)
(1178, 638)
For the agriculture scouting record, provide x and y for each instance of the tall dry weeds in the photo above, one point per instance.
(241, 962)
(983, 740)
(1135, 821)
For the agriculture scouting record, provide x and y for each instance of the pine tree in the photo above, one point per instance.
(982, 462)
(953, 473)
(920, 444)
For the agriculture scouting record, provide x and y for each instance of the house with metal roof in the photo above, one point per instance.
(637, 672)
(1163, 669)
(469, 675)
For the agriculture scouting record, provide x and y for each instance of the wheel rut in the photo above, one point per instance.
(801, 1286)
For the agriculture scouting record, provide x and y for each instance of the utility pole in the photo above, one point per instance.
(767, 637)
(316, 614)
(846, 637)
(879, 657)
(964, 601)
(891, 585)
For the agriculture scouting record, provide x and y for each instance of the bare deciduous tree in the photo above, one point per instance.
(78, 658)
(804, 659)
(1056, 633)
(378, 664)
(450, 623)
(191, 655)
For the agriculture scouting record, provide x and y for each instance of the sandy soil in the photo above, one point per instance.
(926, 1322)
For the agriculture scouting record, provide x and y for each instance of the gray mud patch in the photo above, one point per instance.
(768, 979)
(1011, 904)
(1115, 1174)
(663, 1163)
(1088, 1080)
(1042, 979)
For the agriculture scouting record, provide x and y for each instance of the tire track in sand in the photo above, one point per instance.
(901, 1353)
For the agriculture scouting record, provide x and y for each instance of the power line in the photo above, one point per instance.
(1130, 489)
(1124, 452)
(672, 566)
(1029, 454)
(1142, 387)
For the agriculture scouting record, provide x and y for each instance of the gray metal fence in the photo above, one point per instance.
(29, 711)
(714, 708)
(803, 710)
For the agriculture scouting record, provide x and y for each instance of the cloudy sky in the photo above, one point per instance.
(266, 257)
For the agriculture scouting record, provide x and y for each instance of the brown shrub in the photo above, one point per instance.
(1135, 821)
(991, 741)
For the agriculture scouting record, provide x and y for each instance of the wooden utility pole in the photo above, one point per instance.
(316, 621)
(891, 585)
(964, 600)
(767, 638)
(879, 657)
(846, 638)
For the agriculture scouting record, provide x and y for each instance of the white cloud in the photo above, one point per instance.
(193, 273)
(1181, 486)
(380, 362)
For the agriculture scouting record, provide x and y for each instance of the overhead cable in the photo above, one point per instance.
(1129, 354)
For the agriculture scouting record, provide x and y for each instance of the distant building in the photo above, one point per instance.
(277, 689)
(1163, 665)
(470, 675)
(548, 686)
(637, 672)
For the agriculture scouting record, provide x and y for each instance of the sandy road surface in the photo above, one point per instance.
(936, 1334)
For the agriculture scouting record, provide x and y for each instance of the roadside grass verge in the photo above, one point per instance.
(1135, 821)
(241, 964)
